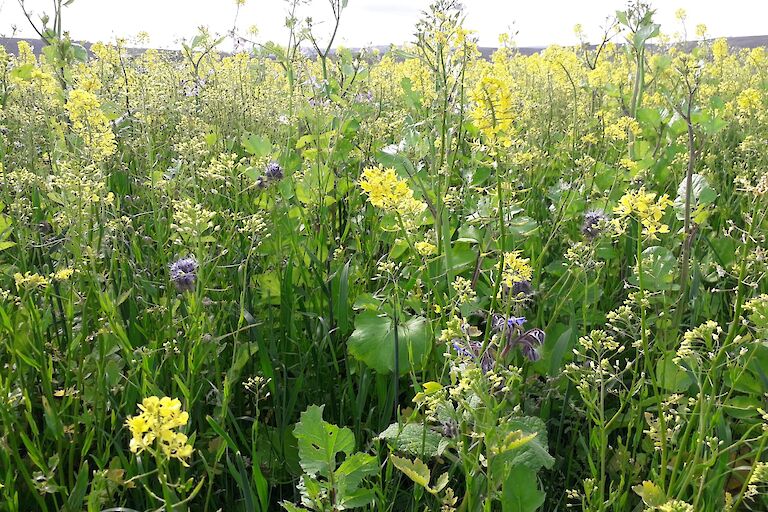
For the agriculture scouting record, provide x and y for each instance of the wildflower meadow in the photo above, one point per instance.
(302, 277)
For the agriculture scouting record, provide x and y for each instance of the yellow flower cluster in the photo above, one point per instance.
(30, 281)
(390, 193)
(675, 506)
(515, 269)
(492, 112)
(749, 100)
(619, 129)
(425, 248)
(90, 124)
(644, 207)
(157, 422)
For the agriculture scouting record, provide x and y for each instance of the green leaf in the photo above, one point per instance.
(79, 53)
(320, 442)
(389, 157)
(659, 269)
(652, 494)
(412, 438)
(649, 118)
(742, 406)
(350, 475)
(521, 492)
(23, 72)
(257, 145)
(534, 454)
(702, 195)
(670, 375)
(373, 341)
(416, 470)
(77, 496)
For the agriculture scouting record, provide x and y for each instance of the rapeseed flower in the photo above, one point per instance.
(30, 281)
(425, 248)
(646, 209)
(90, 124)
(387, 191)
(157, 421)
(514, 269)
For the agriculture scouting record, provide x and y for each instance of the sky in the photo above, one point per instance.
(379, 22)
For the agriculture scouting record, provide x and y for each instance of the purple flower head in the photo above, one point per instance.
(364, 97)
(593, 220)
(501, 323)
(522, 289)
(529, 343)
(184, 273)
(449, 428)
(461, 350)
(472, 350)
(273, 171)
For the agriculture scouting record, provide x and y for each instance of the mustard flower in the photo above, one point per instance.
(90, 123)
(30, 281)
(387, 191)
(425, 248)
(646, 209)
(157, 421)
(514, 269)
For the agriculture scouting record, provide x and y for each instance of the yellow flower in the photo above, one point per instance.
(644, 207)
(156, 422)
(425, 248)
(90, 124)
(515, 269)
(30, 281)
(492, 113)
(390, 193)
(62, 274)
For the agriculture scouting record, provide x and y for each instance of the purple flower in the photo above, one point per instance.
(501, 323)
(364, 97)
(461, 350)
(472, 350)
(521, 289)
(593, 220)
(273, 172)
(184, 274)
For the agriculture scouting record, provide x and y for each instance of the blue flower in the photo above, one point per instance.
(184, 273)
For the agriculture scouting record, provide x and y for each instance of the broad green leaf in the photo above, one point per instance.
(659, 270)
(520, 491)
(533, 454)
(350, 475)
(414, 439)
(373, 342)
(320, 442)
(671, 376)
(702, 195)
(23, 72)
(742, 406)
(257, 145)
